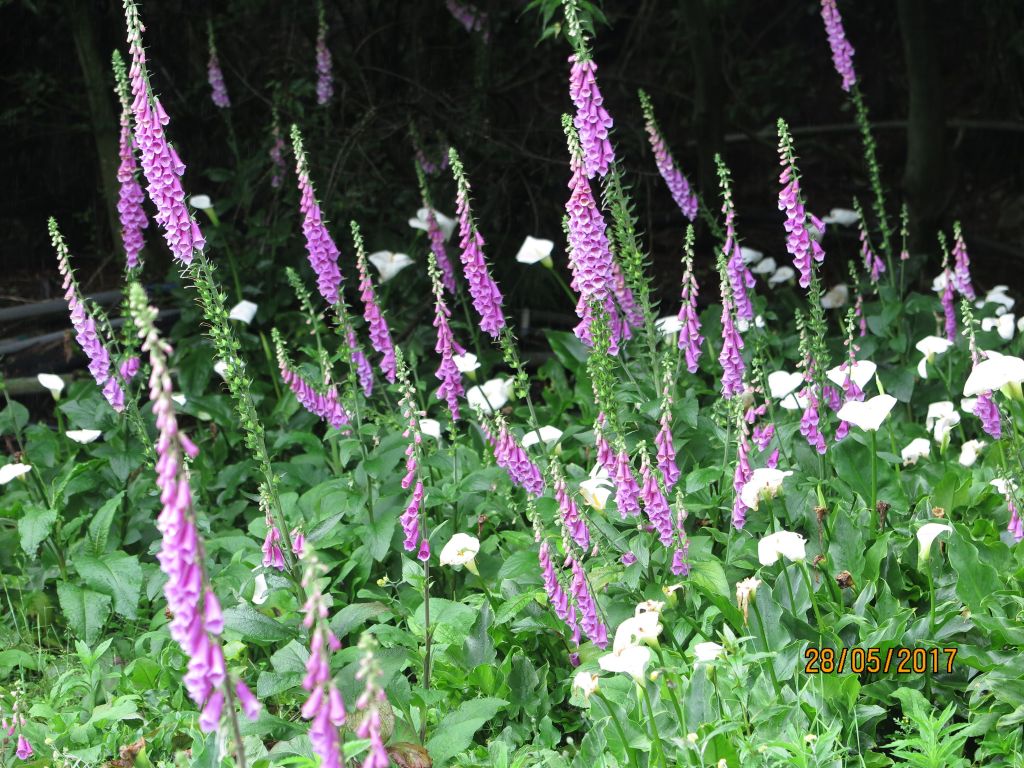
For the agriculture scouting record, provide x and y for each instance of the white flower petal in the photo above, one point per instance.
(863, 372)
(52, 382)
(782, 275)
(431, 428)
(869, 414)
(781, 383)
(243, 311)
(918, 449)
(84, 436)
(841, 216)
(10, 471)
(546, 434)
(750, 255)
(764, 483)
(993, 374)
(787, 544)
(460, 549)
(389, 263)
(534, 249)
(836, 297)
(200, 202)
(764, 267)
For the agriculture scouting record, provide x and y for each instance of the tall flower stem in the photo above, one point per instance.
(764, 639)
(655, 735)
(671, 691)
(618, 727)
(814, 600)
(873, 509)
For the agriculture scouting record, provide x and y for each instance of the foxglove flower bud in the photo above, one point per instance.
(592, 120)
(323, 253)
(677, 184)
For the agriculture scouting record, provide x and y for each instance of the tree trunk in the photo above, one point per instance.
(926, 174)
(99, 90)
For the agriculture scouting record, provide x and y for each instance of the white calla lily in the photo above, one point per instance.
(1001, 324)
(201, 202)
(596, 489)
(10, 471)
(260, 591)
(844, 217)
(491, 395)
(782, 275)
(535, 249)
(430, 428)
(916, 450)
(868, 414)
(786, 544)
(446, 224)
(764, 484)
(52, 382)
(862, 372)
(546, 434)
(930, 347)
(641, 629)
(460, 550)
(631, 660)
(926, 534)
(998, 372)
(764, 267)
(466, 363)
(668, 325)
(243, 311)
(750, 255)
(586, 682)
(707, 652)
(782, 383)
(969, 452)
(837, 296)
(389, 263)
(83, 436)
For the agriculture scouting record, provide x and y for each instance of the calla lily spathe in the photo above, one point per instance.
(389, 263)
(918, 448)
(491, 395)
(446, 223)
(764, 267)
(52, 382)
(863, 371)
(83, 436)
(926, 534)
(836, 297)
(869, 414)
(787, 544)
(243, 311)
(844, 217)
(764, 483)
(998, 372)
(10, 471)
(535, 249)
(930, 347)
(460, 550)
(547, 435)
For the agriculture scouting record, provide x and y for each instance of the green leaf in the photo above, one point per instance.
(118, 575)
(85, 611)
(34, 527)
(99, 526)
(255, 626)
(512, 606)
(352, 616)
(455, 732)
(291, 658)
(479, 648)
(449, 621)
(977, 579)
(700, 479)
(13, 418)
(709, 576)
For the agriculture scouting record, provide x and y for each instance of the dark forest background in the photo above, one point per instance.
(944, 81)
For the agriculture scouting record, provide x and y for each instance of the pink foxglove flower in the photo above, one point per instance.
(470, 17)
(740, 278)
(731, 356)
(196, 617)
(325, 405)
(557, 596)
(741, 476)
(218, 89)
(962, 265)
(487, 297)
(627, 492)
(448, 373)
(380, 334)
(873, 263)
(592, 120)
(273, 557)
(278, 167)
(324, 79)
(986, 409)
(801, 246)
(677, 184)
(948, 308)
(362, 365)
(511, 457)
(410, 519)
(690, 339)
(369, 703)
(666, 451)
(571, 518)
(324, 706)
(680, 566)
(437, 247)
(161, 164)
(130, 196)
(655, 503)
(627, 303)
(24, 750)
(592, 625)
(810, 420)
(842, 51)
(763, 435)
(86, 333)
(590, 256)
(320, 247)
(1016, 526)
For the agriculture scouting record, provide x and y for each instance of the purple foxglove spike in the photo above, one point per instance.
(656, 506)
(624, 296)
(571, 518)
(411, 518)
(380, 334)
(219, 91)
(130, 196)
(363, 368)
(324, 79)
(740, 476)
(667, 453)
(592, 120)
(325, 405)
(277, 160)
(809, 422)
(437, 247)
(986, 409)
(842, 51)
(320, 247)
(487, 299)
(589, 620)
(448, 373)
(763, 435)
(556, 595)
(802, 247)
(511, 457)
(679, 565)
(1016, 527)
(948, 309)
(160, 162)
(873, 263)
(962, 266)
(627, 492)
(731, 356)
(690, 339)
(677, 184)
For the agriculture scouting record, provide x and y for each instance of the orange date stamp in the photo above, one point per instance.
(898, 660)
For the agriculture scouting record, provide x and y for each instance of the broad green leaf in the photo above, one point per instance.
(99, 526)
(34, 527)
(455, 732)
(352, 616)
(255, 626)
(84, 610)
(116, 574)
(512, 606)
(977, 580)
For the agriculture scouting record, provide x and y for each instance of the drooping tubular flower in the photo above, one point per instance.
(470, 17)
(655, 503)
(511, 457)
(740, 278)
(369, 703)
(962, 264)
(573, 521)
(487, 298)
(411, 518)
(273, 555)
(592, 625)
(873, 263)
(842, 51)
(130, 195)
(690, 339)
(592, 120)
(324, 404)
(324, 79)
(810, 420)
(218, 90)
(359, 360)
(683, 195)
(590, 256)
(323, 253)
(434, 232)
(741, 476)
(563, 608)
(448, 373)
(680, 567)
(731, 356)
(627, 303)
(324, 706)
(380, 334)
(627, 492)
(666, 452)
(277, 155)
(802, 247)
(985, 407)
(197, 621)
(948, 309)
(160, 162)
(86, 333)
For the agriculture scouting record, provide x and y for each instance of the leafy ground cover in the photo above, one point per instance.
(340, 517)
